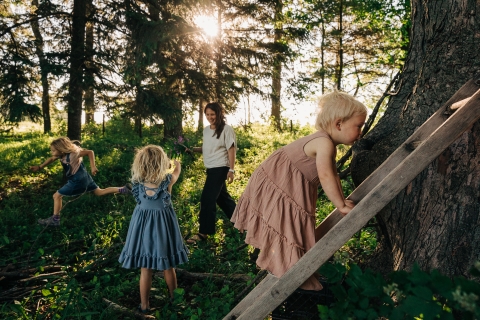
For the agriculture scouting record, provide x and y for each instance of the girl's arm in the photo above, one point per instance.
(91, 158)
(231, 160)
(175, 175)
(327, 173)
(43, 165)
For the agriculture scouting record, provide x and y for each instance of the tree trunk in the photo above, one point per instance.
(339, 56)
(201, 108)
(277, 67)
(219, 57)
(434, 221)
(75, 90)
(47, 124)
(89, 70)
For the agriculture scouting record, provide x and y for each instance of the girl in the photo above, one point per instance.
(154, 240)
(79, 181)
(219, 148)
(278, 206)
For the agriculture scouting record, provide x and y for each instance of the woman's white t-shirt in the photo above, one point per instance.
(215, 151)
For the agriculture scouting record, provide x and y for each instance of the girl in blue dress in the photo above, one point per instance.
(79, 181)
(154, 240)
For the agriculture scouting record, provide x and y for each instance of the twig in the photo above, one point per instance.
(28, 272)
(41, 276)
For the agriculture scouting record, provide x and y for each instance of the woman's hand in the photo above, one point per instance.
(94, 170)
(230, 177)
(35, 168)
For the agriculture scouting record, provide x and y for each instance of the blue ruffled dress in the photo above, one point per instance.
(154, 240)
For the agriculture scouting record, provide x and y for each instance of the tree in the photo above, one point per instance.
(43, 63)
(434, 221)
(77, 58)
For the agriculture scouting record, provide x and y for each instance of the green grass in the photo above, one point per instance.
(76, 265)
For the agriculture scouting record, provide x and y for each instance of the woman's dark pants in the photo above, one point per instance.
(214, 192)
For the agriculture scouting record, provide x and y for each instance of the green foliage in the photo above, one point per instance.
(75, 269)
(402, 295)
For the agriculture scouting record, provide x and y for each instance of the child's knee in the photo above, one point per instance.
(57, 196)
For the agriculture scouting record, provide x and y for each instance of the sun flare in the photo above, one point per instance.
(208, 24)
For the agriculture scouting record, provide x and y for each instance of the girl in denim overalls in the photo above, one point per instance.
(79, 181)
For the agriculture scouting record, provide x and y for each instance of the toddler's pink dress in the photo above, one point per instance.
(277, 208)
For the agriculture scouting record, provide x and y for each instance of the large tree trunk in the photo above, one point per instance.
(434, 221)
(201, 107)
(277, 67)
(75, 87)
(89, 71)
(47, 124)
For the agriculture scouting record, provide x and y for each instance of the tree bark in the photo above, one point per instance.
(77, 55)
(339, 55)
(47, 124)
(434, 221)
(277, 67)
(201, 107)
(89, 70)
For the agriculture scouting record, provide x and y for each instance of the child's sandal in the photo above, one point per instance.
(196, 238)
(144, 311)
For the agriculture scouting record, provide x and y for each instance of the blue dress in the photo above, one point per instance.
(77, 183)
(154, 240)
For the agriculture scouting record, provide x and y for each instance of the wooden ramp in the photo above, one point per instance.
(417, 152)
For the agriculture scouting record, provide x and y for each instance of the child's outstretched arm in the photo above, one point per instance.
(327, 173)
(43, 165)
(175, 174)
(91, 157)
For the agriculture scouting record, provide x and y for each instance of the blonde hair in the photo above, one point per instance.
(150, 165)
(65, 145)
(337, 105)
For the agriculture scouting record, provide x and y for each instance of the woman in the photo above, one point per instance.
(218, 149)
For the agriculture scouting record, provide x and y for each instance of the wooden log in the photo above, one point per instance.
(433, 144)
(126, 311)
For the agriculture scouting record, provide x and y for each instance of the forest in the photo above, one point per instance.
(151, 67)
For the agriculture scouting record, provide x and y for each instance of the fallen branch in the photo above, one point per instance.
(45, 275)
(202, 276)
(124, 310)
(28, 272)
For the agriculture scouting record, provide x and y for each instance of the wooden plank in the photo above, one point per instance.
(430, 148)
(458, 99)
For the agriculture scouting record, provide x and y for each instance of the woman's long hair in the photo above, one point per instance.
(219, 116)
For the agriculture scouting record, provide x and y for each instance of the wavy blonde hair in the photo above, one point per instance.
(337, 105)
(65, 145)
(150, 165)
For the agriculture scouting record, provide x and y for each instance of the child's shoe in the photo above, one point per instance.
(144, 311)
(50, 221)
(126, 189)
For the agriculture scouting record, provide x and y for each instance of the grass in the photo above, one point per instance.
(73, 270)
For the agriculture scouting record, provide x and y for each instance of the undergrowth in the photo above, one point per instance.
(73, 272)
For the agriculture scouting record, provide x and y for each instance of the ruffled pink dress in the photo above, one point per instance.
(277, 208)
